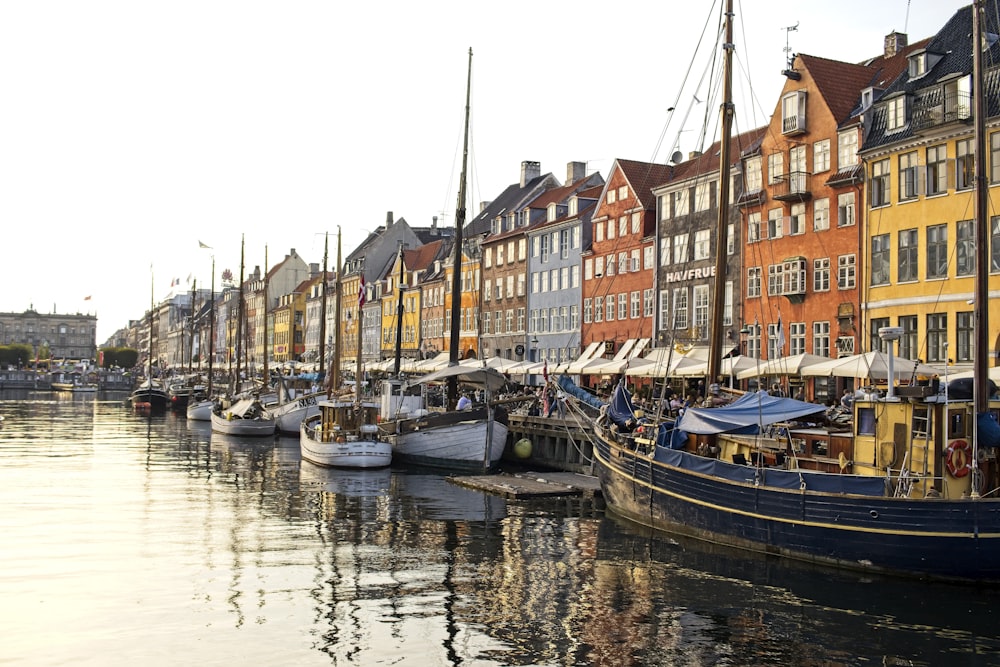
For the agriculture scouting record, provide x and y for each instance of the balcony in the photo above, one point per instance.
(940, 106)
(792, 187)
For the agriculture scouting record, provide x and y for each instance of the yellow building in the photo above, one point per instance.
(919, 239)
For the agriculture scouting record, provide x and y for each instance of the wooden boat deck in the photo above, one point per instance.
(528, 485)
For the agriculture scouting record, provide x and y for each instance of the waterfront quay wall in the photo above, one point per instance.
(557, 444)
(30, 379)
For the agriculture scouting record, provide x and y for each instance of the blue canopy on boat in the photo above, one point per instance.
(746, 415)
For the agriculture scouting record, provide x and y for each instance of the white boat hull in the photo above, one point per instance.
(460, 445)
(353, 452)
(237, 426)
(200, 411)
(288, 417)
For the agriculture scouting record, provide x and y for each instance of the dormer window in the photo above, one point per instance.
(867, 98)
(553, 212)
(918, 64)
(895, 113)
(574, 205)
(793, 113)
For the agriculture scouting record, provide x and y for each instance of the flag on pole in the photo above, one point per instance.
(361, 293)
(202, 245)
(545, 370)
(781, 336)
(86, 298)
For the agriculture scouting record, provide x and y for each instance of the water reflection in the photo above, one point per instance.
(128, 531)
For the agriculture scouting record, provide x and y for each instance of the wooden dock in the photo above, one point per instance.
(528, 485)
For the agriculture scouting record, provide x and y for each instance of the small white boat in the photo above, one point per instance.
(344, 435)
(245, 417)
(288, 416)
(200, 410)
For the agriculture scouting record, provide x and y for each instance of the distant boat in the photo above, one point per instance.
(245, 417)
(150, 394)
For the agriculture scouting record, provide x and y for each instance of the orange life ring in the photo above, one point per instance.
(957, 457)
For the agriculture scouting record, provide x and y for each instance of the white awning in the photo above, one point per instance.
(593, 350)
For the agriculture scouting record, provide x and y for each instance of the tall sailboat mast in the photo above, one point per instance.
(322, 310)
(211, 330)
(981, 310)
(238, 343)
(267, 378)
(456, 277)
(722, 227)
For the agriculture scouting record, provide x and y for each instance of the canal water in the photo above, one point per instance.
(129, 540)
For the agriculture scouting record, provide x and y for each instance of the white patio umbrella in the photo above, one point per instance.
(870, 364)
(792, 365)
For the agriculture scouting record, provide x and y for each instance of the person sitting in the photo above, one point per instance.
(847, 400)
(464, 403)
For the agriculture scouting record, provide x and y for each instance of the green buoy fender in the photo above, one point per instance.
(522, 448)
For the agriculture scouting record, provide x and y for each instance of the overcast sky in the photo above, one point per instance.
(132, 130)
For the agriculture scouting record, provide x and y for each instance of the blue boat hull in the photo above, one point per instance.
(927, 538)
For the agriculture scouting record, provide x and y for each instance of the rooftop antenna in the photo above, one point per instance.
(789, 56)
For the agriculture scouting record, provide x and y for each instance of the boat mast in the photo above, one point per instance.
(399, 316)
(337, 346)
(722, 227)
(238, 343)
(152, 300)
(194, 295)
(358, 366)
(456, 277)
(981, 294)
(266, 377)
(322, 309)
(211, 330)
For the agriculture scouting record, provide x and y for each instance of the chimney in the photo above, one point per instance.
(530, 170)
(483, 205)
(575, 171)
(693, 154)
(388, 219)
(434, 223)
(894, 43)
(313, 268)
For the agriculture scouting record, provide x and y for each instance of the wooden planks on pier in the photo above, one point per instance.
(528, 485)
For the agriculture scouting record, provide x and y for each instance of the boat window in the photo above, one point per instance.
(866, 421)
(956, 424)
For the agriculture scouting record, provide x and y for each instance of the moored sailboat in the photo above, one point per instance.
(454, 439)
(344, 433)
(904, 493)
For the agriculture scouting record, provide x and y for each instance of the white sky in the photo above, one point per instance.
(130, 130)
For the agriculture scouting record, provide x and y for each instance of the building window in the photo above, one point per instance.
(963, 323)
(665, 251)
(965, 248)
(647, 257)
(647, 303)
(775, 168)
(636, 223)
(907, 269)
(588, 309)
(845, 209)
(937, 251)
(681, 201)
(937, 171)
(880, 259)
(680, 308)
(821, 156)
(611, 229)
(609, 308)
(623, 305)
(622, 226)
(847, 149)
(895, 113)
(908, 341)
(635, 304)
(908, 185)
(964, 164)
(797, 222)
(878, 188)
(797, 338)
(702, 196)
(994, 244)
(753, 227)
(702, 244)
(821, 214)
(937, 336)
(598, 232)
(846, 268)
(774, 223)
(821, 274)
(680, 248)
(875, 341)
(995, 157)
(753, 281)
(753, 177)
(701, 307)
(821, 339)
(793, 113)
(598, 308)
